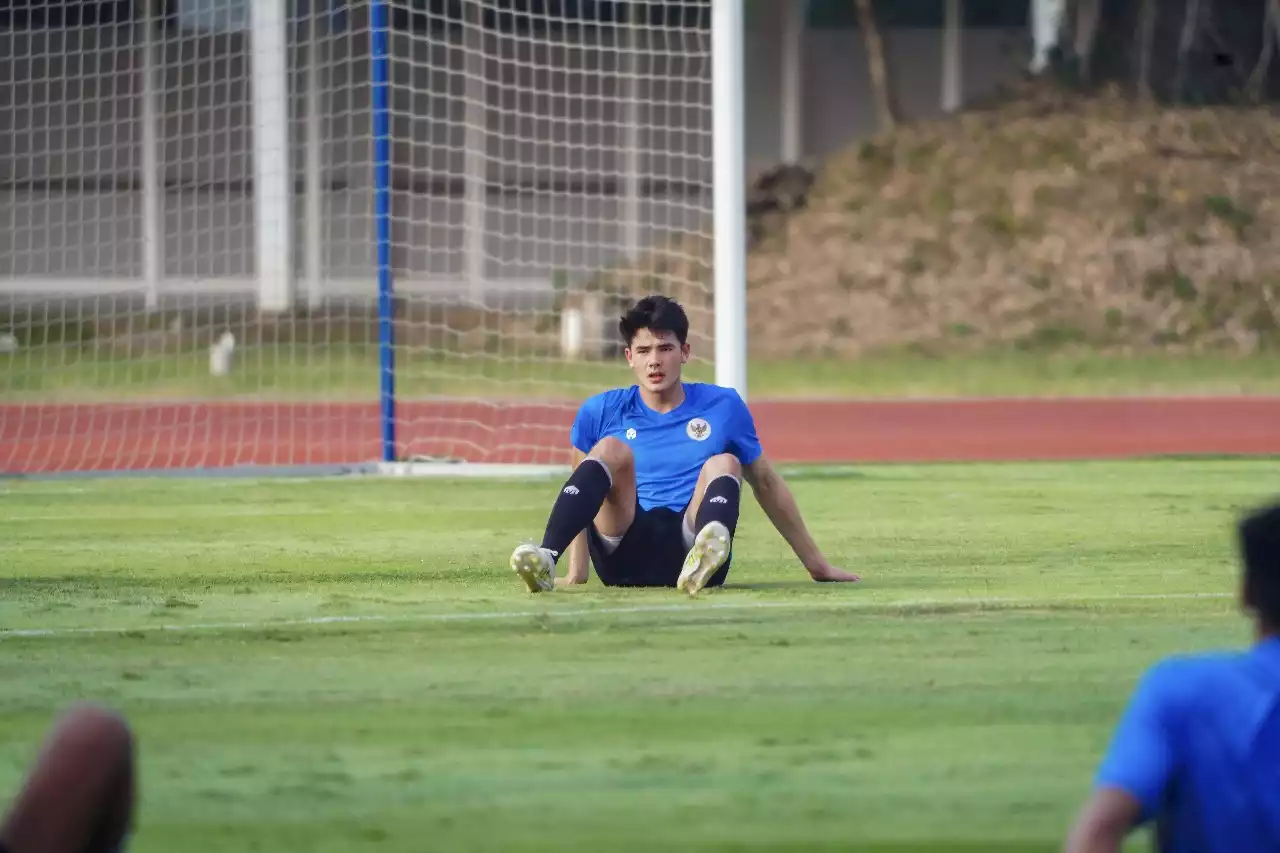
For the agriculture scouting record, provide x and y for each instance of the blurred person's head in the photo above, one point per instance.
(1259, 538)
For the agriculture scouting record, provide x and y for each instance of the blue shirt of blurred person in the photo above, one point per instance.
(1197, 750)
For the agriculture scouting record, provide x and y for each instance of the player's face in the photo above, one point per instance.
(656, 359)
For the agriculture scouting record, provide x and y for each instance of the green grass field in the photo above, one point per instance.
(957, 699)
(349, 372)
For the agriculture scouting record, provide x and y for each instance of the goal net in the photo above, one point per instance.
(326, 233)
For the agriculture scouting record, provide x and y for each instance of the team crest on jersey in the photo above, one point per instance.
(698, 429)
(631, 433)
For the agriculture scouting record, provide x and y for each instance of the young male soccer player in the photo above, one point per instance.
(79, 796)
(1197, 751)
(653, 498)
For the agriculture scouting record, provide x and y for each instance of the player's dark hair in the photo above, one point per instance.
(657, 314)
(1259, 536)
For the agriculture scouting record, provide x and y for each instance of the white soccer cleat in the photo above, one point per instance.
(710, 550)
(535, 567)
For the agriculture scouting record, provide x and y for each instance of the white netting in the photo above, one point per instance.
(545, 169)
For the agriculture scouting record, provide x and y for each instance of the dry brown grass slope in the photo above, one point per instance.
(1048, 220)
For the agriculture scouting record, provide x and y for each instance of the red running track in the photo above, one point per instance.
(53, 438)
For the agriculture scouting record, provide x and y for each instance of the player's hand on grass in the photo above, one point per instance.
(569, 581)
(824, 572)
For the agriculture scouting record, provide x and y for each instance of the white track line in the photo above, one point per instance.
(693, 608)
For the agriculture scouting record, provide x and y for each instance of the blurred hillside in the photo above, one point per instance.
(1049, 219)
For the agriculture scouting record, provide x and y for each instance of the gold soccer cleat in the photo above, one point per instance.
(710, 550)
(535, 567)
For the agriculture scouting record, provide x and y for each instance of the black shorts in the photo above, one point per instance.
(651, 553)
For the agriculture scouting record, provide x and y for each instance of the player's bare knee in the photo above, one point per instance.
(614, 453)
(721, 465)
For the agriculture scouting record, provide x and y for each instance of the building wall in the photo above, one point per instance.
(70, 143)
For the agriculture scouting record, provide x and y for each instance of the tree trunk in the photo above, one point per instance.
(1146, 34)
(1190, 26)
(881, 91)
(1048, 25)
(1257, 86)
(1088, 19)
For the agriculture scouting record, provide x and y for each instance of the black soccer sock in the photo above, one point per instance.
(576, 506)
(720, 503)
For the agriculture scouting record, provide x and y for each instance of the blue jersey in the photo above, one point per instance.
(1199, 748)
(670, 448)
